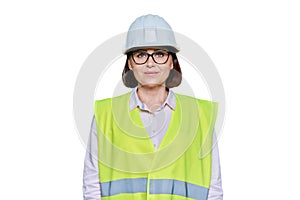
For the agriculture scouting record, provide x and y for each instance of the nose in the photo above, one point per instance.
(150, 62)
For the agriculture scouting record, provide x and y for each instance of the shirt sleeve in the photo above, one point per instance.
(91, 184)
(215, 191)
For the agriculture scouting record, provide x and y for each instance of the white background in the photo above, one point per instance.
(254, 44)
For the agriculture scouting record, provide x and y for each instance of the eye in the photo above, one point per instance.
(160, 54)
(141, 54)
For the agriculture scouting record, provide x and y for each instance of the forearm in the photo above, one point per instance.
(215, 190)
(91, 184)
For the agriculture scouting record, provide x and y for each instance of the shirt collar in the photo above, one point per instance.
(136, 102)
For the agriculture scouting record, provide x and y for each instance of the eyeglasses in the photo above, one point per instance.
(141, 57)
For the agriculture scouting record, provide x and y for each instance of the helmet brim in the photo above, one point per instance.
(171, 48)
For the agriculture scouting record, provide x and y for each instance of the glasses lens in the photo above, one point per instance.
(160, 57)
(141, 57)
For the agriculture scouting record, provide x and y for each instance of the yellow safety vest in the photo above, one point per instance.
(131, 169)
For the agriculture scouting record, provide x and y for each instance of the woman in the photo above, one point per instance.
(146, 144)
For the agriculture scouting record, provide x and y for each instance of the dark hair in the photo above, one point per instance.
(173, 80)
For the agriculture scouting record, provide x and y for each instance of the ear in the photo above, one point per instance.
(172, 64)
(129, 64)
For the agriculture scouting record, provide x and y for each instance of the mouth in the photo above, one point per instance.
(150, 73)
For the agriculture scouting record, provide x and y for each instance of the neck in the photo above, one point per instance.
(153, 97)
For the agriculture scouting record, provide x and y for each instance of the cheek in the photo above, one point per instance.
(166, 73)
(137, 73)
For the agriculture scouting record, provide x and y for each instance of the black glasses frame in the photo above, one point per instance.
(150, 55)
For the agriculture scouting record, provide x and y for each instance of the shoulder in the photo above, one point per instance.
(107, 102)
(207, 109)
(190, 99)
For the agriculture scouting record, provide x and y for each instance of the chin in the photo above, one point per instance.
(152, 85)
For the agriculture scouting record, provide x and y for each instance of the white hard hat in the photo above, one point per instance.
(150, 31)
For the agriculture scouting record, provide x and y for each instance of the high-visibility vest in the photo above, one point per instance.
(131, 169)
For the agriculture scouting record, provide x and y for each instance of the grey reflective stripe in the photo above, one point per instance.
(157, 186)
(181, 188)
(133, 185)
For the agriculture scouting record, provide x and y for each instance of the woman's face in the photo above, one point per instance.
(150, 73)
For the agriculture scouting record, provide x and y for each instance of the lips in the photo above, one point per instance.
(150, 73)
